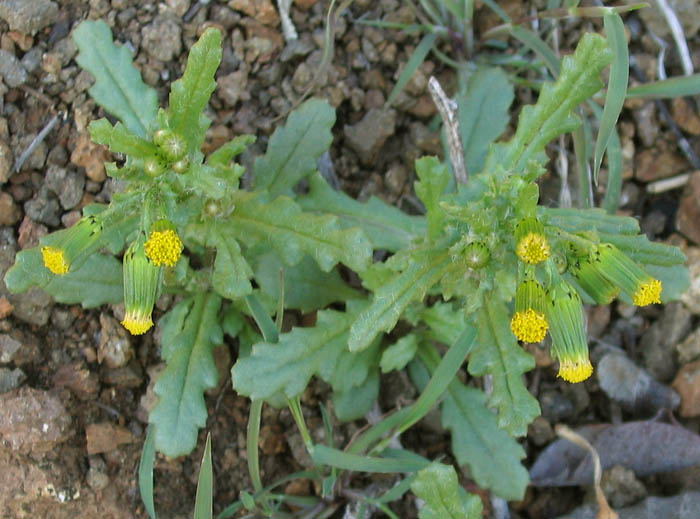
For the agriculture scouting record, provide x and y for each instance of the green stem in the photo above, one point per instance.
(297, 413)
(252, 444)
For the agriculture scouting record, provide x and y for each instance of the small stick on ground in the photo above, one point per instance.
(448, 112)
(35, 142)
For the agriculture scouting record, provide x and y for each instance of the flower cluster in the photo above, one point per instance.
(601, 271)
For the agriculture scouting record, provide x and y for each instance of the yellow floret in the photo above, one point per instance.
(163, 248)
(533, 248)
(529, 326)
(137, 323)
(575, 370)
(55, 260)
(648, 293)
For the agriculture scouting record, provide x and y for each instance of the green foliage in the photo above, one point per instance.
(118, 86)
(396, 356)
(204, 501)
(190, 333)
(437, 485)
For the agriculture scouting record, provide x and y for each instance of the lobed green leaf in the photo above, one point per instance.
(118, 86)
(433, 179)
(231, 276)
(190, 333)
(120, 139)
(283, 226)
(356, 402)
(582, 220)
(294, 149)
(497, 353)
(438, 487)
(396, 356)
(190, 94)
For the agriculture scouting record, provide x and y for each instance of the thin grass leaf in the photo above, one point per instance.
(667, 88)
(148, 455)
(613, 187)
(617, 87)
(323, 455)
(204, 500)
(252, 436)
(537, 44)
(118, 86)
(262, 319)
(491, 4)
(415, 61)
(582, 145)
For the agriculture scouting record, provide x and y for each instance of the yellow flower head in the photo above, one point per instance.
(62, 249)
(163, 246)
(531, 244)
(575, 370)
(529, 326)
(55, 260)
(648, 292)
(625, 273)
(136, 322)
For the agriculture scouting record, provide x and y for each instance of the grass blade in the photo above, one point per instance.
(667, 88)
(617, 87)
(324, 455)
(203, 503)
(264, 321)
(534, 42)
(148, 455)
(414, 62)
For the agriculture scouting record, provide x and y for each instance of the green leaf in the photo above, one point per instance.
(445, 321)
(386, 226)
(438, 487)
(190, 94)
(204, 500)
(294, 149)
(493, 457)
(356, 402)
(581, 220)
(552, 115)
(392, 298)
(667, 88)
(120, 139)
(396, 356)
(641, 250)
(289, 364)
(534, 42)
(118, 86)
(617, 87)
(148, 455)
(483, 113)
(97, 281)
(306, 287)
(118, 227)
(324, 455)
(675, 280)
(283, 226)
(188, 339)
(498, 353)
(223, 156)
(434, 177)
(231, 277)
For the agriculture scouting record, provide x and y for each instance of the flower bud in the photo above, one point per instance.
(69, 245)
(529, 323)
(153, 167)
(476, 255)
(163, 246)
(531, 244)
(174, 146)
(142, 281)
(181, 166)
(623, 272)
(564, 312)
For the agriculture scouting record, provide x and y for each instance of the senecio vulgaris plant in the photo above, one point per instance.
(485, 268)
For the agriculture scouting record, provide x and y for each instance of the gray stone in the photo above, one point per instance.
(368, 136)
(32, 59)
(67, 184)
(233, 87)
(32, 306)
(6, 160)
(689, 349)
(43, 208)
(9, 346)
(38, 157)
(11, 70)
(11, 379)
(28, 16)
(115, 348)
(555, 406)
(162, 38)
(685, 10)
(621, 487)
(659, 341)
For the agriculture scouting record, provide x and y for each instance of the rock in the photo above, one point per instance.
(657, 163)
(233, 87)
(9, 346)
(10, 213)
(30, 233)
(28, 16)
(6, 160)
(149, 399)
(395, 178)
(621, 487)
(83, 383)
(44, 208)
(687, 383)
(162, 38)
(633, 388)
(689, 210)
(90, 156)
(127, 376)
(689, 349)
(179, 6)
(11, 379)
(5, 307)
(540, 431)
(685, 10)
(115, 348)
(691, 297)
(11, 70)
(426, 140)
(647, 124)
(682, 506)
(32, 306)
(104, 437)
(68, 185)
(685, 116)
(33, 421)
(660, 340)
(555, 406)
(262, 10)
(368, 136)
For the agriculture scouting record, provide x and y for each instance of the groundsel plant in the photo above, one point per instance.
(487, 266)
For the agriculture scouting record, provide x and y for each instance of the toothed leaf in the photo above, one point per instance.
(438, 487)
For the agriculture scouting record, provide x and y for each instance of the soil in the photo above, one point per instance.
(75, 389)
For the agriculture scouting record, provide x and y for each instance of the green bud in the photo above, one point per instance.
(476, 255)
(142, 280)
